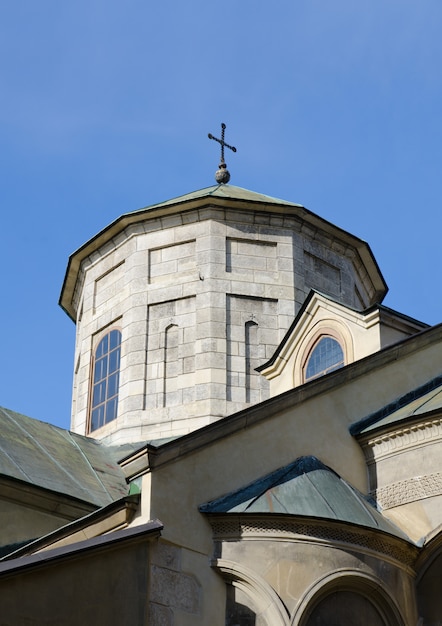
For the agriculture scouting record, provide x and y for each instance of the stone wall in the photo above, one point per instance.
(202, 298)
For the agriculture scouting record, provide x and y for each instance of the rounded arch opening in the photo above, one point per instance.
(105, 379)
(260, 598)
(335, 333)
(326, 356)
(348, 597)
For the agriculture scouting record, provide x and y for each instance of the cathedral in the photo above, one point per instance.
(255, 438)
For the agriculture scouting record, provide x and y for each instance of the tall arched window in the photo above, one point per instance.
(105, 381)
(326, 356)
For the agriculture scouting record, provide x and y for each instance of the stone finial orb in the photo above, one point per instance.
(222, 176)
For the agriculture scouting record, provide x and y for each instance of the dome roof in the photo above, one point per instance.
(307, 488)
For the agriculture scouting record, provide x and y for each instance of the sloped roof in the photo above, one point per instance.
(307, 488)
(146, 531)
(225, 196)
(52, 458)
(283, 350)
(223, 191)
(418, 402)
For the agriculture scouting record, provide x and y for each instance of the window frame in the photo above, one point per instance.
(99, 398)
(325, 333)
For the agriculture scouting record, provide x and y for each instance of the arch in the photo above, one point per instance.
(264, 599)
(105, 380)
(332, 328)
(326, 356)
(362, 584)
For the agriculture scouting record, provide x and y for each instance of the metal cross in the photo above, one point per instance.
(222, 176)
(222, 142)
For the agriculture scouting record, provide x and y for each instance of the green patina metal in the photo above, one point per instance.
(52, 458)
(306, 488)
(416, 403)
(221, 191)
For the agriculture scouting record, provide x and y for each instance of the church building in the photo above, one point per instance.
(255, 438)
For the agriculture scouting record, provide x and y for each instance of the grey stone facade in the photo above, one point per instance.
(202, 294)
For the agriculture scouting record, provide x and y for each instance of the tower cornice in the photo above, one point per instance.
(225, 197)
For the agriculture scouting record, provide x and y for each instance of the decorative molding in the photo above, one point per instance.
(239, 528)
(251, 255)
(406, 491)
(179, 257)
(332, 326)
(405, 438)
(264, 597)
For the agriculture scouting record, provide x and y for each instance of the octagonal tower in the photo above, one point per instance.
(178, 303)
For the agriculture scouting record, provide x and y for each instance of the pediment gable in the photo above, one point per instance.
(359, 333)
(322, 316)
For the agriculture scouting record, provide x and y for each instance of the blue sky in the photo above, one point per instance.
(105, 108)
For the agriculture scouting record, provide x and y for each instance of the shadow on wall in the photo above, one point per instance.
(237, 614)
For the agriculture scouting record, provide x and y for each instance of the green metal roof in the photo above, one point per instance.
(52, 458)
(225, 192)
(309, 488)
(431, 401)
(224, 196)
(417, 402)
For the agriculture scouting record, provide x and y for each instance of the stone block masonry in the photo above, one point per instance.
(202, 299)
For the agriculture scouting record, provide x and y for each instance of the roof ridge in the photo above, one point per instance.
(69, 435)
(47, 452)
(5, 452)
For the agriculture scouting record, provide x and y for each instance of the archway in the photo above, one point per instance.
(347, 597)
(249, 596)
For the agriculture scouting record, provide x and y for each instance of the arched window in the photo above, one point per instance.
(326, 356)
(105, 381)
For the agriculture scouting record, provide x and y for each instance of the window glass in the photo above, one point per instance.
(97, 417)
(111, 409)
(106, 374)
(326, 357)
(100, 369)
(102, 347)
(99, 394)
(112, 386)
(115, 339)
(114, 361)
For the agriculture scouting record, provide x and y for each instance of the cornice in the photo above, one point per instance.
(231, 527)
(406, 437)
(205, 203)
